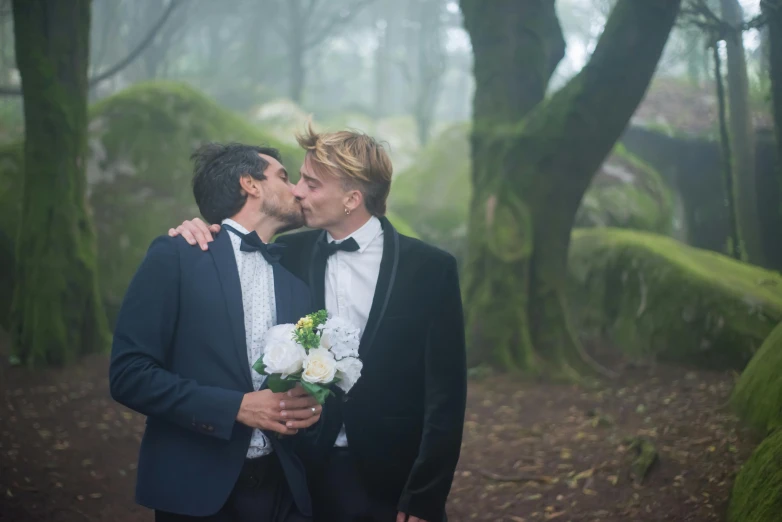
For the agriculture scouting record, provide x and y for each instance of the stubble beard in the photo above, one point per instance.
(290, 218)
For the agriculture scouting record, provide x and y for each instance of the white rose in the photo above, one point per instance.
(348, 372)
(341, 337)
(281, 354)
(319, 366)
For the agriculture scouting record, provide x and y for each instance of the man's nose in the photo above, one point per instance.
(296, 192)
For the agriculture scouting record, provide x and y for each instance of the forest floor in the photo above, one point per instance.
(532, 451)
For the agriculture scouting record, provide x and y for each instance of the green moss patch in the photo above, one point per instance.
(757, 492)
(653, 296)
(758, 395)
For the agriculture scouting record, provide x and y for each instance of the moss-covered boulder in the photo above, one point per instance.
(627, 193)
(434, 193)
(139, 174)
(757, 397)
(757, 492)
(656, 297)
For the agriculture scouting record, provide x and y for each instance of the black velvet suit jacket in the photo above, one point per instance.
(404, 417)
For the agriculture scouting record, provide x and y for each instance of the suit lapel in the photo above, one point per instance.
(317, 275)
(283, 295)
(385, 284)
(225, 261)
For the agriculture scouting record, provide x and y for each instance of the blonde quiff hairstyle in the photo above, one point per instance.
(359, 161)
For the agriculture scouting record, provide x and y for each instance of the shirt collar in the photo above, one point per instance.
(236, 225)
(364, 235)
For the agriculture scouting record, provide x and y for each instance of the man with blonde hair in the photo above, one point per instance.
(387, 450)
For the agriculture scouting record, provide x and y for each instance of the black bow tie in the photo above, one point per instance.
(326, 248)
(271, 252)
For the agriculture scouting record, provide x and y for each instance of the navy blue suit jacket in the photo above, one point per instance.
(179, 357)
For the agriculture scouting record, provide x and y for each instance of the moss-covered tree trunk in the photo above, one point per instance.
(772, 9)
(516, 47)
(742, 137)
(530, 175)
(56, 311)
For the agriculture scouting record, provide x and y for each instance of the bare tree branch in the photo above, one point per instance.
(140, 47)
(334, 22)
(105, 30)
(698, 14)
(135, 53)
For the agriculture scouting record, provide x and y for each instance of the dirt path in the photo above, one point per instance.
(531, 452)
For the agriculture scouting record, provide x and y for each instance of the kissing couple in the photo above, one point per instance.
(219, 445)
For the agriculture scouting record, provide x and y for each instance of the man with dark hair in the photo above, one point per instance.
(190, 328)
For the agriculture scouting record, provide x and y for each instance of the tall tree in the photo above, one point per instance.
(430, 59)
(772, 10)
(529, 175)
(56, 311)
(383, 18)
(307, 24)
(742, 135)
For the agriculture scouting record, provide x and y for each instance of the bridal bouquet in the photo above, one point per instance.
(318, 352)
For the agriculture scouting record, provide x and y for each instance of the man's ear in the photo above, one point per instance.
(353, 200)
(250, 186)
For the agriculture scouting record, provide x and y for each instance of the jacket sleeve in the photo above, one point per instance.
(143, 336)
(445, 399)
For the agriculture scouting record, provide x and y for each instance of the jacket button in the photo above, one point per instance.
(345, 398)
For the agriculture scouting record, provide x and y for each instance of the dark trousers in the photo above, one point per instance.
(261, 494)
(340, 496)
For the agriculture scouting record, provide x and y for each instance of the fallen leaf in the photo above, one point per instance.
(584, 474)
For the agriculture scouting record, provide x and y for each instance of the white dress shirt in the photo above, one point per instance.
(351, 278)
(256, 277)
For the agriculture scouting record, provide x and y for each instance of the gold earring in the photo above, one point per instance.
(347, 211)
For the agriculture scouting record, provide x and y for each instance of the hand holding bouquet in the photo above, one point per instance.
(318, 352)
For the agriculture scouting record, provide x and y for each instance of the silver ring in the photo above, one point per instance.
(314, 410)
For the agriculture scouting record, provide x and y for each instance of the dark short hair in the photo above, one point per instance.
(216, 174)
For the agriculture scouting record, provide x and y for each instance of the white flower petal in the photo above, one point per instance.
(281, 354)
(348, 372)
(320, 367)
